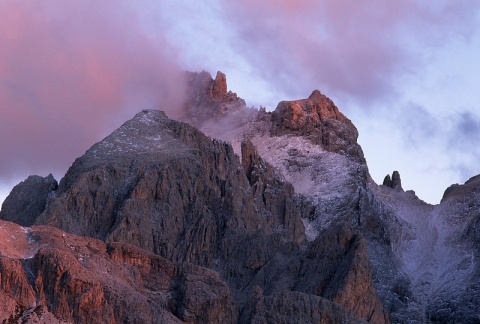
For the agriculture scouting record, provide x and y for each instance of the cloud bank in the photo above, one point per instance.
(71, 72)
(348, 48)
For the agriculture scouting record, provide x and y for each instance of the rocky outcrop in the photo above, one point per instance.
(167, 189)
(203, 297)
(77, 279)
(435, 249)
(28, 200)
(192, 186)
(387, 181)
(16, 293)
(283, 307)
(273, 196)
(455, 294)
(185, 182)
(81, 280)
(394, 182)
(319, 120)
(335, 266)
(459, 192)
(353, 277)
(208, 98)
(334, 186)
(219, 87)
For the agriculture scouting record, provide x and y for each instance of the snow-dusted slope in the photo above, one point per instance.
(422, 266)
(329, 181)
(430, 244)
(16, 241)
(423, 263)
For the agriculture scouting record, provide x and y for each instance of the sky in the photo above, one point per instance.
(406, 73)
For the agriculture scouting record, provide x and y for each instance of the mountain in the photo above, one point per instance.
(236, 215)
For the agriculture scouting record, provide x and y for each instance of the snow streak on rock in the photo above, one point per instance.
(16, 241)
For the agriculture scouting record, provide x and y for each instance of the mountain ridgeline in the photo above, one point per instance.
(236, 215)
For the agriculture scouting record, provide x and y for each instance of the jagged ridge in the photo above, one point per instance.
(298, 222)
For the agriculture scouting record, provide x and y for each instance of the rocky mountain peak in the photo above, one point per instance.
(146, 136)
(171, 191)
(457, 190)
(318, 120)
(316, 94)
(28, 199)
(219, 88)
(208, 98)
(165, 224)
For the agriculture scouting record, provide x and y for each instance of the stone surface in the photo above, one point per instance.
(166, 188)
(28, 200)
(395, 182)
(297, 307)
(185, 182)
(387, 181)
(208, 98)
(319, 120)
(335, 186)
(219, 88)
(273, 196)
(76, 279)
(335, 266)
(82, 280)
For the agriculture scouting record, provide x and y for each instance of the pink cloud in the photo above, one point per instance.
(70, 72)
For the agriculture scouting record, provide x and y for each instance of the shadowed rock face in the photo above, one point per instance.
(283, 307)
(28, 200)
(332, 185)
(394, 182)
(166, 188)
(335, 266)
(193, 190)
(59, 277)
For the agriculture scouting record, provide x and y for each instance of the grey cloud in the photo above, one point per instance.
(418, 126)
(467, 127)
(461, 144)
(349, 48)
(463, 134)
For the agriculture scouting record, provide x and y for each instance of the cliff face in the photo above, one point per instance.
(28, 199)
(57, 277)
(187, 198)
(318, 120)
(277, 220)
(166, 188)
(193, 189)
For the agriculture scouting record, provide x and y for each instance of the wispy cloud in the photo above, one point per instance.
(350, 48)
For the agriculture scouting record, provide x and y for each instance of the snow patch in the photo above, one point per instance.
(427, 244)
(324, 179)
(311, 231)
(312, 171)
